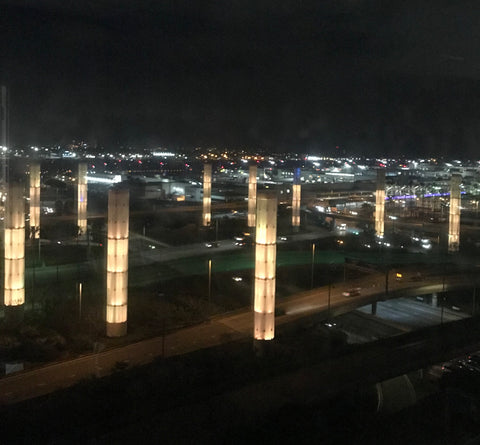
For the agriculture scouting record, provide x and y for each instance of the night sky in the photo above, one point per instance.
(373, 77)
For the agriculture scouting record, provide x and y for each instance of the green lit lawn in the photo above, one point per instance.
(234, 261)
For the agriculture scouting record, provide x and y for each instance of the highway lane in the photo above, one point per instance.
(220, 329)
(159, 209)
(413, 313)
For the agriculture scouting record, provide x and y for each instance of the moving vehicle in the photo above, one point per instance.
(352, 292)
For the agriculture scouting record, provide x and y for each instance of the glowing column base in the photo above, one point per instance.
(117, 327)
(117, 289)
(264, 326)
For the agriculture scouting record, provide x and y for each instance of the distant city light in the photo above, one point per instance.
(163, 154)
(104, 180)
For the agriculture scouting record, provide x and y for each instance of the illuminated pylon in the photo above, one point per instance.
(207, 194)
(296, 198)
(265, 266)
(454, 219)
(252, 195)
(35, 200)
(117, 262)
(380, 203)
(82, 199)
(14, 247)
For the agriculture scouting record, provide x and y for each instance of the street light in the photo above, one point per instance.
(79, 301)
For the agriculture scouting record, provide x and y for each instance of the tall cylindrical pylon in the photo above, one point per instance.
(82, 199)
(265, 266)
(35, 200)
(252, 195)
(117, 262)
(14, 247)
(380, 203)
(454, 218)
(207, 194)
(296, 198)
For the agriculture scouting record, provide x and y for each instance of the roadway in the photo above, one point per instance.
(409, 313)
(394, 317)
(157, 210)
(218, 330)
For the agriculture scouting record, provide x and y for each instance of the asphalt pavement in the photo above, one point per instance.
(218, 330)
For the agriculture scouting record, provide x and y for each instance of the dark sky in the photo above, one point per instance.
(371, 76)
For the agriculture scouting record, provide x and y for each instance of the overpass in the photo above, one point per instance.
(219, 330)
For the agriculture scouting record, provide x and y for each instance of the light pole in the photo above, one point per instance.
(79, 301)
(313, 264)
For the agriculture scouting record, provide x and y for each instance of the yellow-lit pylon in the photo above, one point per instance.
(35, 200)
(380, 203)
(14, 247)
(207, 194)
(252, 195)
(265, 266)
(82, 199)
(296, 199)
(454, 217)
(117, 262)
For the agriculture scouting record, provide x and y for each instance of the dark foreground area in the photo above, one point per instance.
(307, 387)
